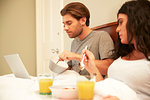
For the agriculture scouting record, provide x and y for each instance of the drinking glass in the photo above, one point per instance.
(86, 89)
(45, 81)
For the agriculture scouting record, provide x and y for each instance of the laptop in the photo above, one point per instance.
(16, 65)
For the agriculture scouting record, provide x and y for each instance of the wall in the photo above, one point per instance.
(17, 27)
(102, 12)
(17, 33)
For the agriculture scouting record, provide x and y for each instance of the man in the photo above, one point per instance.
(76, 24)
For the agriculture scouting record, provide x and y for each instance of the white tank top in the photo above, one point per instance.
(135, 73)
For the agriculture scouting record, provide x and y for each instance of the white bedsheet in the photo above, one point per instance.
(12, 88)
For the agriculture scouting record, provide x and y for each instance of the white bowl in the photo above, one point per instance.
(64, 92)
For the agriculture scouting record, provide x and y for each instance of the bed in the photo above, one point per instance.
(12, 88)
(110, 28)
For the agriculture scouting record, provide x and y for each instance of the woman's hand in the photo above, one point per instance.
(111, 98)
(90, 66)
(89, 62)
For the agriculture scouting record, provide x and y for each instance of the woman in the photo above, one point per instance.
(132, 52)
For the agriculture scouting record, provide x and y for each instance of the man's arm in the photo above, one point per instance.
(67, 55)
(106, 46)
(102, 65)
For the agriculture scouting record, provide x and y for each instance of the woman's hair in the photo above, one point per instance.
(76, 10)
(138, 26)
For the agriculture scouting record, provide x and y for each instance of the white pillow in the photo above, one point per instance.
(115, 88)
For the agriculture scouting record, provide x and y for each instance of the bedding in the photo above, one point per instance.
(12, 88)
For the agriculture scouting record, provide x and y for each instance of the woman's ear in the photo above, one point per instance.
(83, 21)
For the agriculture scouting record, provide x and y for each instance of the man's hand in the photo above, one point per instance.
(67, 55)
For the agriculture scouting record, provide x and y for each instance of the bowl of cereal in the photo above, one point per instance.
(64, 92)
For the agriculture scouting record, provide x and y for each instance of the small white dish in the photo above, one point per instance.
(64, 92)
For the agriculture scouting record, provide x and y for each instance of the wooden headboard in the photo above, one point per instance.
(110, 28)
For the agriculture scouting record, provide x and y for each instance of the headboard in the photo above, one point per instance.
(110, 28)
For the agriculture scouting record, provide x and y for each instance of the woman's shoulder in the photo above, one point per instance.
(136, 60)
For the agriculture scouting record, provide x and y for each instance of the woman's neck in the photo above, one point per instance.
(134, 55)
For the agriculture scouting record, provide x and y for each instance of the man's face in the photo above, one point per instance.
(72, 26)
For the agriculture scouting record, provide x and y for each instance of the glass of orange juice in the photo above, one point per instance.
(85, 90)
(45, 81)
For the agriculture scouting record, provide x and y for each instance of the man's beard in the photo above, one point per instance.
(78, 33)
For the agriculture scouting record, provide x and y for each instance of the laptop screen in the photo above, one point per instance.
(16, 65)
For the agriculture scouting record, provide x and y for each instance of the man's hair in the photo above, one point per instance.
(138, 26)
(76, 10)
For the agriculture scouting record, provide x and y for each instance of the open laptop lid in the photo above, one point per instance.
(16, 65)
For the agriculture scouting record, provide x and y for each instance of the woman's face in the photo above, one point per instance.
(121, 29)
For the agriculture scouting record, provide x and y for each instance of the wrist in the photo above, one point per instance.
(78, 57)
(97, 75)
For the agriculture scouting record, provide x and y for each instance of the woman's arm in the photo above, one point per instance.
(111, 98)
(103, 65)
(90, 66)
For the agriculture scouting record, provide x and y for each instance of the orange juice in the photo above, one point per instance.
(44, 85)
(85, 90)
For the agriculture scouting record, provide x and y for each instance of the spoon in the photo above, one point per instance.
(81, 63)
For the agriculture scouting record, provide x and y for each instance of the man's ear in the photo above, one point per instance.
(83, 21)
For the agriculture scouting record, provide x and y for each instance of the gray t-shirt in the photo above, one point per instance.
(99, 43)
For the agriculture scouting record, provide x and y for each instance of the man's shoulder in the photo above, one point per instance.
(99, 32)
